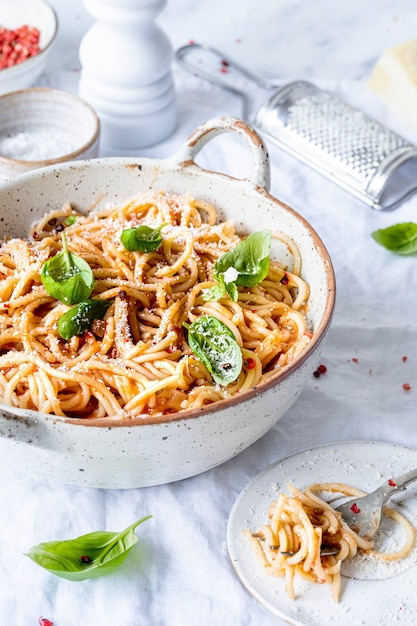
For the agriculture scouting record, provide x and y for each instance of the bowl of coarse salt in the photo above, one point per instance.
(41, 126)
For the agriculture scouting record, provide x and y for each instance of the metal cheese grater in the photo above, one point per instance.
(344, 144)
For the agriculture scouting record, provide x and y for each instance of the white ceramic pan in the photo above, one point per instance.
(134, 453)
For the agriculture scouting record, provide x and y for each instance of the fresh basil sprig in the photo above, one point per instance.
(246, 266)
(399, 238)
(216, 346)
(67, 277)
(89, 556)
(142, 239)
(79, 318)
(222, 288)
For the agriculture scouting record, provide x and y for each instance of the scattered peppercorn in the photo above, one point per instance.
(113, 354)
(406, 386)
(98, 328)
(392, 483)
(355, 509)
(321, 369)
(43, 621)
(84, 559)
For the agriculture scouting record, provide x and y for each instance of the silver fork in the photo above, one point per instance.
(363, 514)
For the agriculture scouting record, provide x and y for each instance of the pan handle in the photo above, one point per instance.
(218, 125)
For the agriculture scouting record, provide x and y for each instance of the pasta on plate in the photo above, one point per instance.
(134, 360)
(302, 526)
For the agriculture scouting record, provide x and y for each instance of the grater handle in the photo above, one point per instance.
(218, 125)
(184, 54)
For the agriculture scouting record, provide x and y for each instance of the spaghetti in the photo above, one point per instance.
(301, 525)
(136, 362)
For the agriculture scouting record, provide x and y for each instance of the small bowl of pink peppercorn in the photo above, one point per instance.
(42, 126)
(28, 31)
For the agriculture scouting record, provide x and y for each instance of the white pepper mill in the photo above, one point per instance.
(126, 74)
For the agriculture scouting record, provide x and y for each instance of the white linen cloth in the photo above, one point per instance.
(180, 573)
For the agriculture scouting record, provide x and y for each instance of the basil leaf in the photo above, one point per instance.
(214, 293)
(221, 289)
(67, 277)
(89, 556)
(232, 291)
(246, 265)
(250, 259)
(399, 238)
(142, 239)
(216, 346)
(79, 318)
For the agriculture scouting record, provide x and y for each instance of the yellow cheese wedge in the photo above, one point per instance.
(394, 78)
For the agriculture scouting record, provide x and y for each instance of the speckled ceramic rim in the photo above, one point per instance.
(63, 94)
(184, 160)
(9, 70)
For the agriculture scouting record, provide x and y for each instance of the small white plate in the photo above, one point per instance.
(385, 596)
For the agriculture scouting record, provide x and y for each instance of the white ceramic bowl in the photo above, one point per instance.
(135, 453)
(41, 126)
(37, 13)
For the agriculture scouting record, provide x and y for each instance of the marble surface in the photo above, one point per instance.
(182, 575)
(277, 38)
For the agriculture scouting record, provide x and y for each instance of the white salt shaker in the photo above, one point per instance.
(126, 74)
